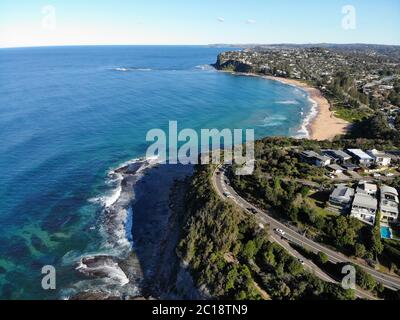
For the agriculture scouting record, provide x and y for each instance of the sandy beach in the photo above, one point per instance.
(324, 126)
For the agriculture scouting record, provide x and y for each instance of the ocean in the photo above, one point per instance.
(70, 115)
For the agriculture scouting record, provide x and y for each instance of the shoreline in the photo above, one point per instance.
(324, 125)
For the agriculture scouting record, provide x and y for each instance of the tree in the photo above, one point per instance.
(249, 250)
(376, 241)
(365, 280)
(294, 267)
(322, 257)
(360, 250)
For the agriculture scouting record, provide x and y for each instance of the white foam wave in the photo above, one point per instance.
(273, 121)
(294, 102)
(303, 132)
(122, 69)
(205, 67)
(106, 268)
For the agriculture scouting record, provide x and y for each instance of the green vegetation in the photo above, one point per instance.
(350, 115)
(231, 257)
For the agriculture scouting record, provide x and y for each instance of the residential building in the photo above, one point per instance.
(364, 208)
(362, 158)
(341, 197)
(338, 156)
(314, 158)
(380, 158)
(336, 169)
(367, 188)
(389, 204)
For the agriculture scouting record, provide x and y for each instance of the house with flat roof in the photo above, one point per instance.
(389, 204)
(338, 156)
(341, 197)
(364, 208)
(311, 157)
(361, 157)
(367, 188)
(380, 158)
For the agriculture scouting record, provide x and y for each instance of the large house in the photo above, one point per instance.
(389, 204)
(364, 208)
(363, 159)
(341, 197)
(338, 156)
(380, 158)
(314, 158)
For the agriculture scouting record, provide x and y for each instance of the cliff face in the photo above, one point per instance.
(227, 62)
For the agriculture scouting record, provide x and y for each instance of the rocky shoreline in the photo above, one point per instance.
(151, 268)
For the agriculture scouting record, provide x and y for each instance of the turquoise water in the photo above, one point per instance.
(386, 233)
(69, 114)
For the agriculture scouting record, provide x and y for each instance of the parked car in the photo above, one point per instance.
(252, 210)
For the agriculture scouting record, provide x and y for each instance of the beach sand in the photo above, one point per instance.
(324, 126)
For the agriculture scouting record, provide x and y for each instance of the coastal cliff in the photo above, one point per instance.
(227, 62)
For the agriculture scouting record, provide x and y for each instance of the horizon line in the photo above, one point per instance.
(202, 45)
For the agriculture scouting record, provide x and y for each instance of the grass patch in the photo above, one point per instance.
(350, 115)
(318, 202)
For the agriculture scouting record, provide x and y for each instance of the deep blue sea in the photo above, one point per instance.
(70, 114)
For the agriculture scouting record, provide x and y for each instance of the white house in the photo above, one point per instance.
(341, 197)
(314, 158)
(362, 158)
(389, 204)
(364, 208)
(367, 188)
(380, 158)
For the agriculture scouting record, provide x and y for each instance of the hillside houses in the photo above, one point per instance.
(364, 201)
(348, 161)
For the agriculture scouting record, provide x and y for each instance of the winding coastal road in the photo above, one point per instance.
(223, 188)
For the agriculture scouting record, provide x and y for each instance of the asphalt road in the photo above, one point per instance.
(293, 236)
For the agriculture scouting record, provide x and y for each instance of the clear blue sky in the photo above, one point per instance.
(77, 22)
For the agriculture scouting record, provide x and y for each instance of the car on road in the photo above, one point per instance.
(280, 232)
(227, 194)
(301, 262)
(252, 210)
(389, 174)
(377, 175)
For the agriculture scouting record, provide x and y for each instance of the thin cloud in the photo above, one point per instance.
(250, 21)
(220, 19)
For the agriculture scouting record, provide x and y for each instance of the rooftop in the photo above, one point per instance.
(365, 201)
(343, 192)
(338, 154)
(387, 189)
(360, 154)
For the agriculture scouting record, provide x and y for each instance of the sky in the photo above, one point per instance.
(130, 22)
